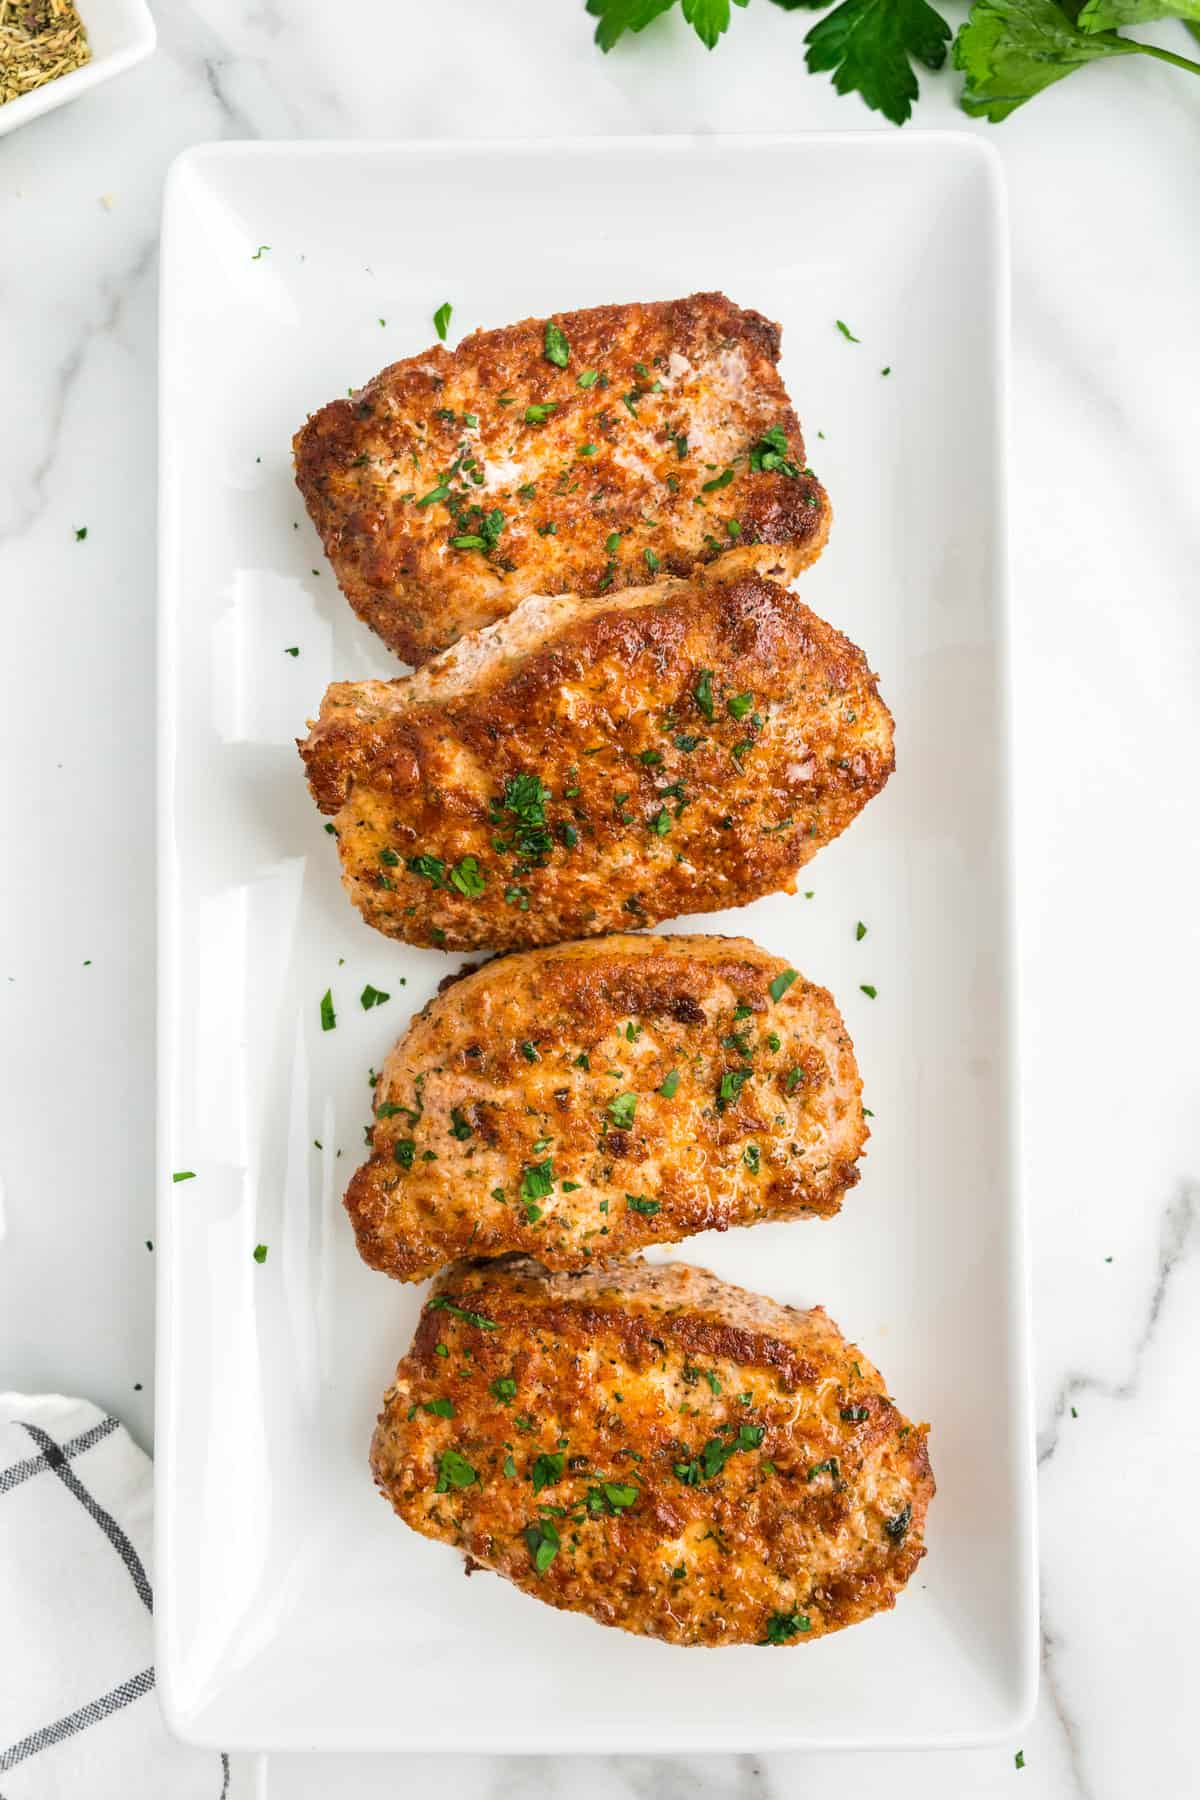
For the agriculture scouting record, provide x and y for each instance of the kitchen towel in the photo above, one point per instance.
(79, 1719)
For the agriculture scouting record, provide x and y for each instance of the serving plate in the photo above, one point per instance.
(293, 1609)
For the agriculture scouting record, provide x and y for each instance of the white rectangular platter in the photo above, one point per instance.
(293, 1609)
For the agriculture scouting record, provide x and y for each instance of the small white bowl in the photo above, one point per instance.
(120, 32)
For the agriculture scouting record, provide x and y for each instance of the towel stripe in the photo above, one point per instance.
(16, 1473)
(108, 1525)
(91, 1714)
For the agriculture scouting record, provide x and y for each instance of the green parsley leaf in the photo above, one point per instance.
(257, 257)
(454, 1471)
(441, 1408)
(459, 1128)
(739, 705)
(504, 1389)
(703, 694)
(860, 932)
(621, 1110)
(795, 1077)
(1019, 1760)
(638, 1203)
(81, 532)
(610, 1497)
(260, 1253)
(731, 1084)
(556, 349)
(440, 492)
(770, 454)
(752, 1157)
(440, 1303)
(782, 1627)
(404, 1150)
(537, 415)
(897, 1527)
(441, 319)
(718, 481)
(652, 561)
(670, 1086)
(782, 982)
(660, 824)
(292, 650)
(328, 1016)
(846, 331)
(547, 1469)
(537, 1180)
(184, 1175)
(871, 45)
(468, 878)
(1010, 50)
(372, 996)
(1110, 15)
(866, 988)
(588, 379)
(431, 867)
(543, 1544)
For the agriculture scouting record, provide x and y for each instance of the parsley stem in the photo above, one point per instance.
(1167, 56)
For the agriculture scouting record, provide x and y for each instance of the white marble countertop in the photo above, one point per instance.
(1106, 547)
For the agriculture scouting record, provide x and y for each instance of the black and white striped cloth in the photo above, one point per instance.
(78, 1715)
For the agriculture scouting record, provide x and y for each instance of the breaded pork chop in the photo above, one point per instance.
(586, 766)
(578, 454)
(656, 1449)
(580, 1102)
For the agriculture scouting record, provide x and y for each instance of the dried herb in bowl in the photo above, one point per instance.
(39, 41)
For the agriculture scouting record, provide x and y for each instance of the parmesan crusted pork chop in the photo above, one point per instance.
(585, 766)
(656, 1449)
(580, 1102)
(577, 454)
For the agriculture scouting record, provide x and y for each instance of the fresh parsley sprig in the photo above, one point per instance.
(1009, 50)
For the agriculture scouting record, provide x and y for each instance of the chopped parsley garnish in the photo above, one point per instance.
(685, 743)
(388, 856)
(441, 319)
(328, 1016)
(638, 1203)
(855, 1415)
(81, 532)
(260, 1253)
(587, 449)
(440, 492)
(621, 1110)
(829, 1467)
(1019, 1760)
(739, 705)
(504, 1389)
(372, 996)
(292, 650)
(486, 536)
(897, 1527)
(860, 932)
(582, 1061)
(404, 1150)
(543, 1544)
(716, 1453)
(441, 1408)
(610, 1497)
(556, 349)
(537, 1180)
(795, 1077)
(670, 1085)
(781, 983)
(529, 1052)
(184, 1175)
(846, 331)
(782, 1627)
(865, 987)
(537, 415)
(731, 1085)
(441, 1304)
(652, 561)
(752, 1157)
(681, 446)
(703, 694)
(454, 1471)
(718, 481)
(769, 454)
(459, 1127)
(525, 798)
(588, 379)
(468, 878)
(660, 824)
(547, 1469)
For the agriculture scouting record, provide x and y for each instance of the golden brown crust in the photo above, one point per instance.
(524, 1108)
(590, 766)
(685, 1460)
(695, 376)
